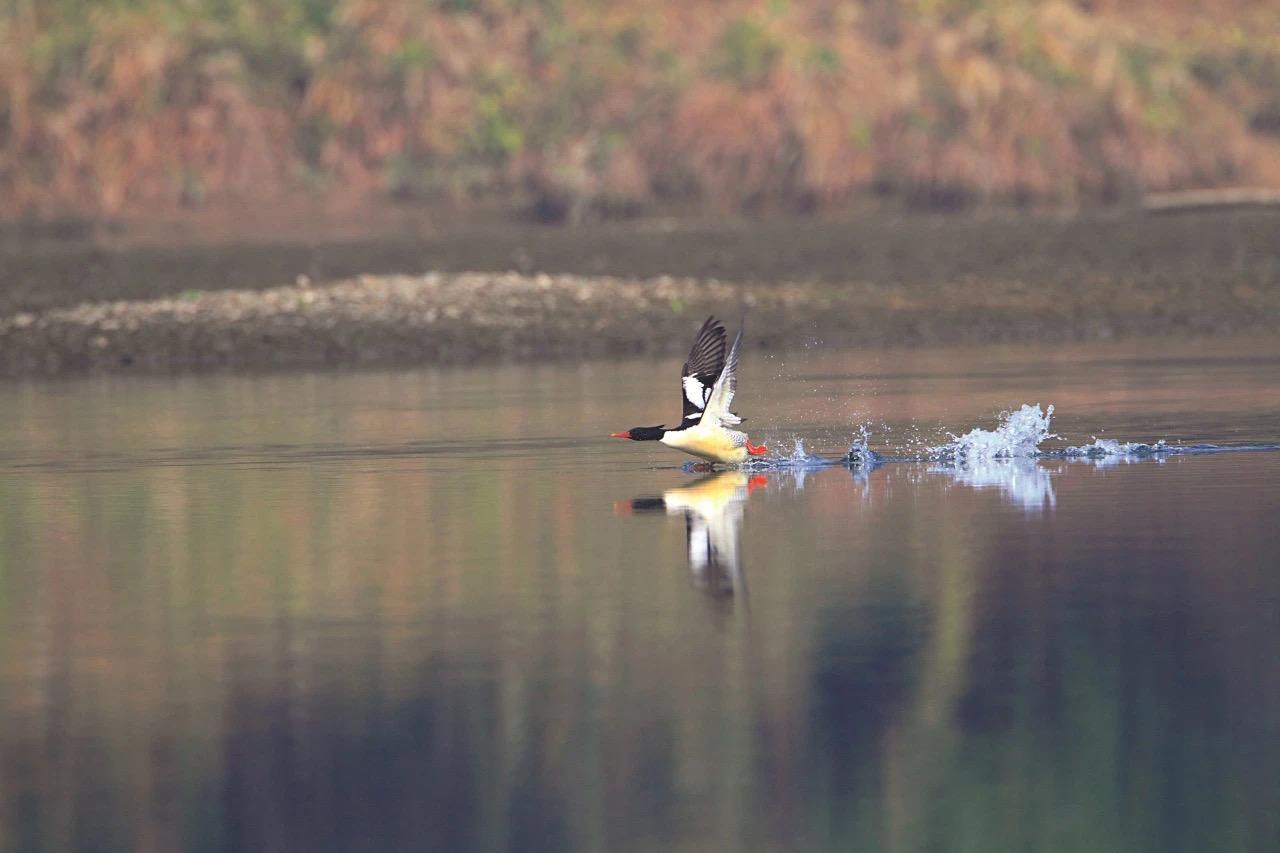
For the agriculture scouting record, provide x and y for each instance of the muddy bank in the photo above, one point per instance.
(1198, 257)
(460, 318)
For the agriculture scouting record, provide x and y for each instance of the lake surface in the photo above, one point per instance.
(440, 610)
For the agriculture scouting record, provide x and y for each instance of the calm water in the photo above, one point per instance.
(438, 610)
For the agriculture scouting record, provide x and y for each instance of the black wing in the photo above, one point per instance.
(701, 369)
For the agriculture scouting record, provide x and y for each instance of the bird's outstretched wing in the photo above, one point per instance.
(721, 397)
(701, 370)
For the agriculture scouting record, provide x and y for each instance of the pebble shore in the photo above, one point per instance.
(467, 317)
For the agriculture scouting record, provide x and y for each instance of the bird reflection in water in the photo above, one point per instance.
(712, 508)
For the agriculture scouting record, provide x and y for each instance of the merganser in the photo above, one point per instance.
(712, 508)
(708, 381)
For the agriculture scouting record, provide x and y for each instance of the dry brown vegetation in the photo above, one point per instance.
(579, 107)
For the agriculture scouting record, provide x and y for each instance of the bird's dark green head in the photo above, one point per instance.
(652, 433)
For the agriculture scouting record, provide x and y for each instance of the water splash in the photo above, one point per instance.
(860, 454)
(1105, 452)
(1004, 458)
(798, 461)
(801, 463)
(797, 450)
(1017, 436)
(975, 456)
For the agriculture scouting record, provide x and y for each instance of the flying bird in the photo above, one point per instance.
(708, 381)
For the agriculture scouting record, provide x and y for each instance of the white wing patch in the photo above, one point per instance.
(696, 392)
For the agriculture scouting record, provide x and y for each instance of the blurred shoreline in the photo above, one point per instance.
(571, 111)
(468, 291)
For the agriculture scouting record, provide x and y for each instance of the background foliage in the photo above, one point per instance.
(582, 106)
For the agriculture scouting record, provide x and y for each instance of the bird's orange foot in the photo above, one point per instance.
(756, 450)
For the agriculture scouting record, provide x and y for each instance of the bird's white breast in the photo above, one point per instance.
(715, 444)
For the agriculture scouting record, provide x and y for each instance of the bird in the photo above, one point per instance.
(712, 508)
(708, 381)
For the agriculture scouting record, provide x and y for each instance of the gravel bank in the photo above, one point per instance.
(458, 318)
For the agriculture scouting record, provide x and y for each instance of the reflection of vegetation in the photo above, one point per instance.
(109, 106)
(275, 650)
